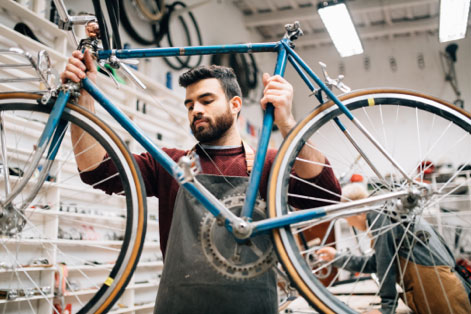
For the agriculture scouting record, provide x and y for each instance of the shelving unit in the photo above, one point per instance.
(69, 203)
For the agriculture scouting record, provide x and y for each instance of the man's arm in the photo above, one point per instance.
(88, 153)
(279, 92)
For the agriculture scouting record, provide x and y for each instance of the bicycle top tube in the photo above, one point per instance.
(188, 51)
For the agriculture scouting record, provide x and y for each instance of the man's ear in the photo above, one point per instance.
(236, 104)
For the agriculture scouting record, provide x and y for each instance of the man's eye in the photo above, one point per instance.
(207, 102)
(190, 108)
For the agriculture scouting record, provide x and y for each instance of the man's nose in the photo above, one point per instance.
(198, 108)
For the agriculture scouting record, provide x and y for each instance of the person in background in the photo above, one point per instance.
(426, 277)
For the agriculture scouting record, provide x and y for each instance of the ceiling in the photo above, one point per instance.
(373, 18)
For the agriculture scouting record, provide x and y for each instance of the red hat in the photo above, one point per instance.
(426, 166)
(356, 178)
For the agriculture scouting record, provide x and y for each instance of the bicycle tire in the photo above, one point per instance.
(435, 120)
(119, 223)
(151, 16)
(157, 31)
(183, 62)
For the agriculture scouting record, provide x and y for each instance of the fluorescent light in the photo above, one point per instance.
(453, 19)
(337, 20)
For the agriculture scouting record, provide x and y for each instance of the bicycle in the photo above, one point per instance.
(398, 184)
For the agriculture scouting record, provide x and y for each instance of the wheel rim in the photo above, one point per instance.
(106, 282)
(359, 102)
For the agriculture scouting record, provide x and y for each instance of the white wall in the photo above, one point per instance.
(221, 23)
(429, 80)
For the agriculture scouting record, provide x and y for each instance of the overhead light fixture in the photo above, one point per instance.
(337, 21)
(453, 19)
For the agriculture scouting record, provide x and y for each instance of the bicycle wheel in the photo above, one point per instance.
(154, 11)
(169, 24)
(71, 241)
(141, 30)
(417, 131)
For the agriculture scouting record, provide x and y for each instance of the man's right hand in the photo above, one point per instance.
(88, 154)
(79, 66)
(326, 253)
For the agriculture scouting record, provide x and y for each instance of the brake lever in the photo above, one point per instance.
(131, 75)
(120, 64)
(103, 67)
(330, 82)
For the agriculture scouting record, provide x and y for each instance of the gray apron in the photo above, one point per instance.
(189, 284)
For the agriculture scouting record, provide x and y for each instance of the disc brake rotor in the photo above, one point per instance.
(233, 259)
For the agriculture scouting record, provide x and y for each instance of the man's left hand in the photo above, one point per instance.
(279, 92)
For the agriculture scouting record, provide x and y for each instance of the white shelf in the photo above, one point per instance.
(165, 114)
(32, 182)
(69, 294)
(90, 243)
(129, 287)
(89, 267)
(144, 285)
(30, 44)
(134, 308)
(108, 219)
(152, 244)
(13, 8)
(151, 264)
(27, 269)
(22, 299)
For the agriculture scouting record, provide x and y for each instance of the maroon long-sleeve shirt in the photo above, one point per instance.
(228, 162)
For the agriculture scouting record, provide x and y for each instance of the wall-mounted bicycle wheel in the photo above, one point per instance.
(413, 128)
(187, 29)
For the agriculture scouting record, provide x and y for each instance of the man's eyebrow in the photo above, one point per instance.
(199, 97)
(205, 95)
(187, 101)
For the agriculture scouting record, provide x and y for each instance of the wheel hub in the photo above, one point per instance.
(12, 221)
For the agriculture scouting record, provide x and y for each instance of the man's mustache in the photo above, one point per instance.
(197, 118)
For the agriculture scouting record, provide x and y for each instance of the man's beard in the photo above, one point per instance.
(214, 130)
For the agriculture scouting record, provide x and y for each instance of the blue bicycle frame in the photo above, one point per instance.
(284, 54)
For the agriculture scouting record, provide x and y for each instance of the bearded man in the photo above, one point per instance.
(213, 101)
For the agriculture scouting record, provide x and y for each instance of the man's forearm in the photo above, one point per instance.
(88, 152)
(310, 161)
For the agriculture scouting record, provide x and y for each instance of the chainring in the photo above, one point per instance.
(237, 260)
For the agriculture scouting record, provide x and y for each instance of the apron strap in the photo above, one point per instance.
(249, 156)
(248, 151)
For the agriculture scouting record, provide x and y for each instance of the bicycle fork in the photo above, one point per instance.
(51, 136)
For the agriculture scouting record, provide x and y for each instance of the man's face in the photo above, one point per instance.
(209, 111)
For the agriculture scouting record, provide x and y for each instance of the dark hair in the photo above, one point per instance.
(225, 75)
